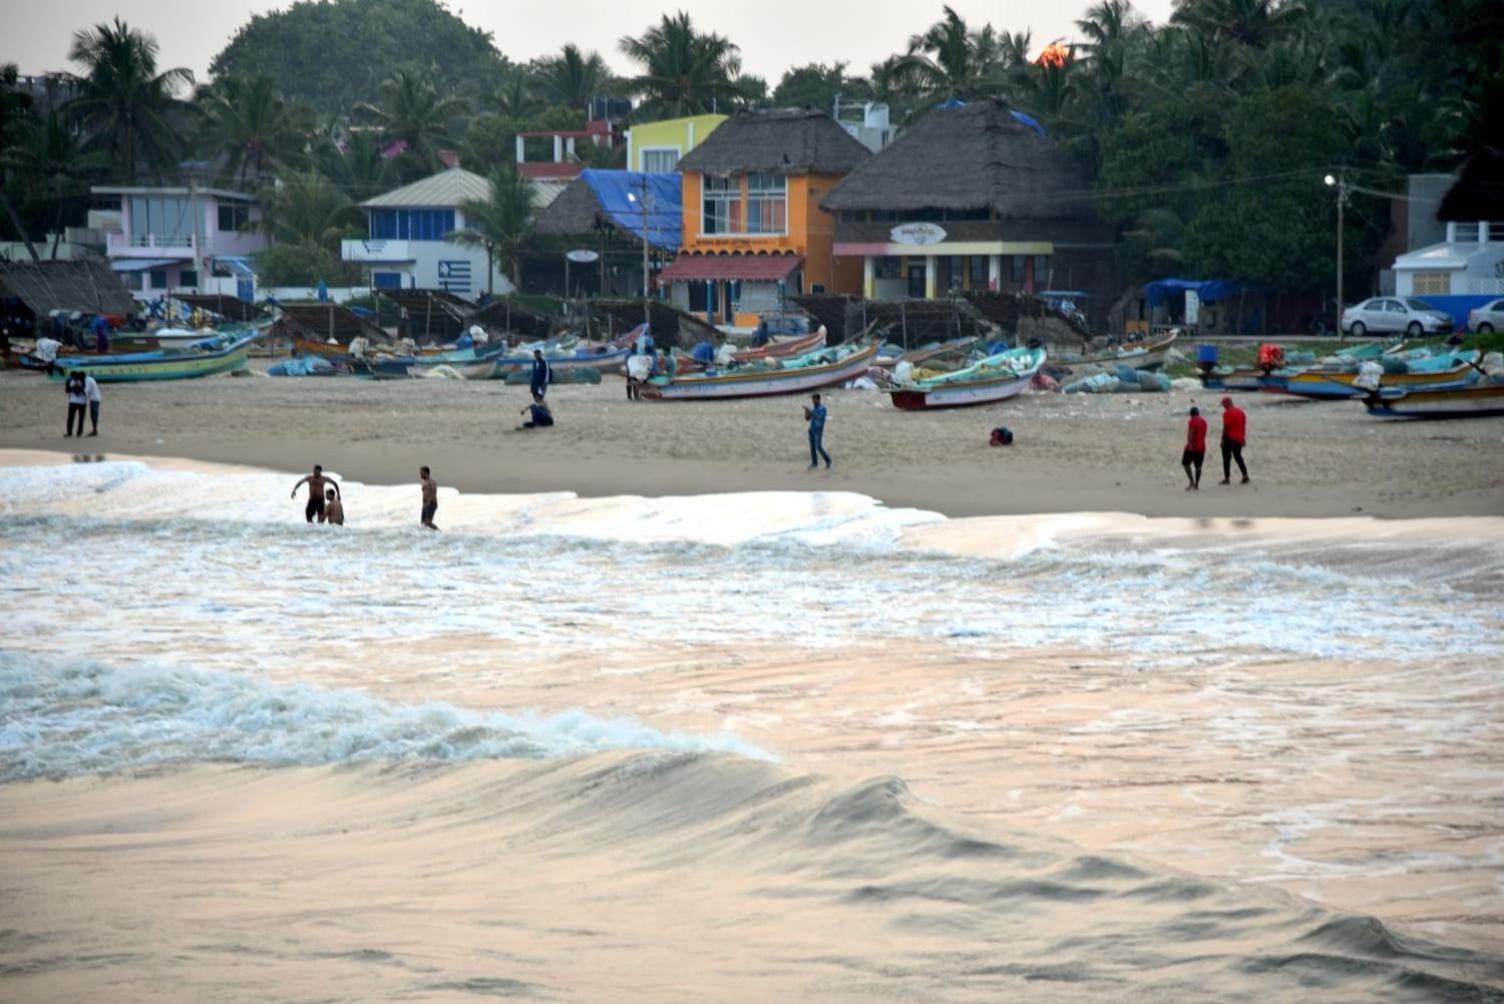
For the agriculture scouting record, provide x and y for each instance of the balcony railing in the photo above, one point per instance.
(150, 244)
(373, 250)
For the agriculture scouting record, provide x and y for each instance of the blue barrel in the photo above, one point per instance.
(1206, 354)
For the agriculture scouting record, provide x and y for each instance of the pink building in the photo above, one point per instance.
(172, 238)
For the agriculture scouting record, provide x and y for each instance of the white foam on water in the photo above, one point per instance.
(60, 718)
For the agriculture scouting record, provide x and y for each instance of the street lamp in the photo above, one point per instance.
(647, 194)
(1340, 184)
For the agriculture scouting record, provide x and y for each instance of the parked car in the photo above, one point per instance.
(1398, 315)
(1487, 318)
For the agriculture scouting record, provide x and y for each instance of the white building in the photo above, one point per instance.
(169, 238)
(1470, 262)
(406, 246)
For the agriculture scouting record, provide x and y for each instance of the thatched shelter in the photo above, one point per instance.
(429, 314)
(782, 142)
(86, 285)
(1478, 194)
(974, 198)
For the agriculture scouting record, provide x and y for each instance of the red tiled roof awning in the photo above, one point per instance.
(719, 267)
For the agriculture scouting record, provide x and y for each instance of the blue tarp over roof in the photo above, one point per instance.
(664, 222)
(1208, 290)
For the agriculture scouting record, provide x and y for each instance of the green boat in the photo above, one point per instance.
(162, 365)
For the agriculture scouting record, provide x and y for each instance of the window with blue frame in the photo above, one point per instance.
(411, 224)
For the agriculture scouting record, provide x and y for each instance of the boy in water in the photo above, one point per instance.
(334, 510)
(430, 497)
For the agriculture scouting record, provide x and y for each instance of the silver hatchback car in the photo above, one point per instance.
(1487, 318)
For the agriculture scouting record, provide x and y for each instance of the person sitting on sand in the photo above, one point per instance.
(430, 497)
(334, 509)
(541, 417)
(1194, 453)
(318, 482)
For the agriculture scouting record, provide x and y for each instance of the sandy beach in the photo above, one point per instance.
(1117, 453)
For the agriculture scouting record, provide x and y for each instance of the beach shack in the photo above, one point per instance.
(973, 197)
(753, 229)
(589, 241)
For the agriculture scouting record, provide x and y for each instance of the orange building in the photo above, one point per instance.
(753, 226)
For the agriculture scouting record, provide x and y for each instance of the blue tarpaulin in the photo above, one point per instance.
(1208, 290)
(665, 203)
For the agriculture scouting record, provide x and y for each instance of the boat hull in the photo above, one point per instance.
(730, 386)
(811, 342)
(1342, 386)
(1485, 401)
(606, 362)
(164, 366)
(968, 395)
(1151, 356)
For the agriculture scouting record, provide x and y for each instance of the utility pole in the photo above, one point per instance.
(1340, 183)
(647, 311)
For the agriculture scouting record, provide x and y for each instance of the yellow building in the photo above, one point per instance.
(753, 226)
(657, 147)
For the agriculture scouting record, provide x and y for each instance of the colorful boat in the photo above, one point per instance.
(825, 368)
(1244, 379)
(609, 361)
(996, 378)
(1481, 400)
(784, 349)
(1453, 369)
(162, 365)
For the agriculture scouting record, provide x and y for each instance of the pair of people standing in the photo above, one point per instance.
(1234, 437)
(83, 392)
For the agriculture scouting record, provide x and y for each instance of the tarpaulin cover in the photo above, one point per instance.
(1208, 290)
(665, 203)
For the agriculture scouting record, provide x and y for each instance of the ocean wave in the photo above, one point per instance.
(66, 718)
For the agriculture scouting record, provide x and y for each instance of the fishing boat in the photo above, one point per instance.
(182, 365)
(1145, 354)
(891, 355)
(1480, 400)
(608, 361)
(1450, 370)
(784, 349)
(996, 378)
(812, 371)
(1234, 378)
(381, 367)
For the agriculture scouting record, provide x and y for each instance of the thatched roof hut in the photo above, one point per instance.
(1478, 194)
(86, 285)
(576, 211)
(783, 142)
(970, 157)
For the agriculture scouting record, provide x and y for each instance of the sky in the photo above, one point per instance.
(773, 34)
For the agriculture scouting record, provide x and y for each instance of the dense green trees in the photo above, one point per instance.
(502, 224)
(684, 71)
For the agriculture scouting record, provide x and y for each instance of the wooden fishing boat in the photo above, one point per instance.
(1334, 385)
(812, 371)
(610, 361)
(1244, 379)
(381, 367)
(996, 378)
(1146, 354)
(1480, 400)
(785, 348)
(162, 365)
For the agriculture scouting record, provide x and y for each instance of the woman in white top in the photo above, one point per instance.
(91, 392)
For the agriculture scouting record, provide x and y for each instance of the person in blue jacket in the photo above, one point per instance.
(815, 416)
(542, 376)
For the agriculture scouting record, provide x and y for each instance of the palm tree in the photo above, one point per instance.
(684, 72)
(15, 116)
(1114, 34)
(502, 224)
(572, 77)
(1254, 23)
(306, 209)
(124, 103)
(413, 113)
(951, 62)
(353, 163)
(516, 97)
(51, 156)
(257, 130)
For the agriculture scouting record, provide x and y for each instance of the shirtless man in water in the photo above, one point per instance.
(334, 509)
(430, 497)
(318, 482)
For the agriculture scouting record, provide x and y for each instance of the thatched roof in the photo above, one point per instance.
(791, 141)
(976, 156)
(1479, 192)
(86, 285)
(577, 210)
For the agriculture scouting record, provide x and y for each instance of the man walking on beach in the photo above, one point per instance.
(1234, 436)
(1195, 450)
(430, 498)
(91, 392)
(77, 399)
(318, 482)
(542, 375)
(815, 416)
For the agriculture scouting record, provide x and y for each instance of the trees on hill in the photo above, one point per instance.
(684, 71)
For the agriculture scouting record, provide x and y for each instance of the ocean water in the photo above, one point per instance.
(1186, 760)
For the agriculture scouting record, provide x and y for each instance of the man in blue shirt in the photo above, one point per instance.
(815, 416)
(542, 375)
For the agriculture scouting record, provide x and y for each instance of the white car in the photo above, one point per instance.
(1395, 314)
(1487, 318)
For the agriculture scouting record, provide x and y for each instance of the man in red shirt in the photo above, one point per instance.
(1195, 450)
(1234, 436)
